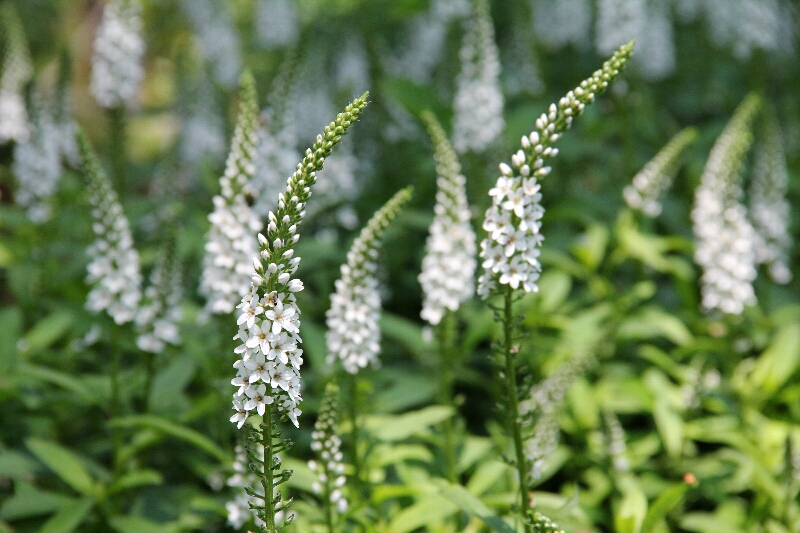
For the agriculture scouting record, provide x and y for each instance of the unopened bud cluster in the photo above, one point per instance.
(478, 106)
(615, 436)
(327, 446)
(159, 313)
(268, 370)
(117, 70)
(113, 271)
(510, 252)
(231, 242)
(353, 336)
(449, 264)
(241, 508)
(656, 177)
(724, 237)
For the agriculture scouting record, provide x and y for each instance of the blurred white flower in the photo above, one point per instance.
(276, 23)
(218, 38)
(117, 70)
(559, 23)
(17, 71)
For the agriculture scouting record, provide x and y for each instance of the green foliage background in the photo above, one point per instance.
(613, 286)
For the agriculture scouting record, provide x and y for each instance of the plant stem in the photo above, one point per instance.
(327, 503)
(445, 331)
(353, 406)
(116, 437)
(510, 352)
(267, 480)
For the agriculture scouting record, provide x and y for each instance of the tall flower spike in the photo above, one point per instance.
(353, 337)
(448, 269)
(478, 106)
(159, 314)
(268, 373)
(269, 368)
(17, 71)
(657, 175)
(327, 445)
(541, 410)
(37, 163)
(231, 242)
(117, 70)
(510, 252)
(113, 270)
(615, 435)
(769, 209)
(724, 237)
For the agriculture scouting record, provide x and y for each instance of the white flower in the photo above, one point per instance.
(203, 128)
(448, 267)
(217, 37)
(769, 209)
(37, 163)
(745, 24)
(478, 105)
(353, 336)
(510, 251)
(725, 238)
(113, 271)
(618, 21)
(230, 242)
(17, 71)
(656, 176)
(117, 70)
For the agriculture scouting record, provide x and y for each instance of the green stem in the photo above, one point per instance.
(353, 407)
(446, 331)
(510, 352)
(116, 437)
(117, 126)
(328, 505)
(267, 480)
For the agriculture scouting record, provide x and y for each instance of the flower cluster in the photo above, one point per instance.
(656, 51)
(615, 436)
(656, 176)
(117, 70)
(558, 24)
(114, 268)
(543, 524)
(746, 24)
(268, 371)
(37, 163)
(510, 252)
(231, 242)
(769, 209)
(478, 102)
(17, 70)
(353, 337)
(724, 236)
(449, 264)
(326, 443)
(218, 39)
(159, 313)
(618, 21)
(541, 410)
(277, 23)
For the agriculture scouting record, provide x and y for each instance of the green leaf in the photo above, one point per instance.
(670, 426)
(405, 332)
(470, 504)
(6, 256)
(135, 479)
(554, 288)
(61, 379)
(64, 463)
(778, 362)
(137, 524)
(592, 246)
(48, 330)
(69, 517)
(652, 322)
(631, 512)
(29, 501)
(668, 500)
(394, 428)
(11, 326)
(15, 464)
(170, 381)
(173, 429)
(430, 508)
